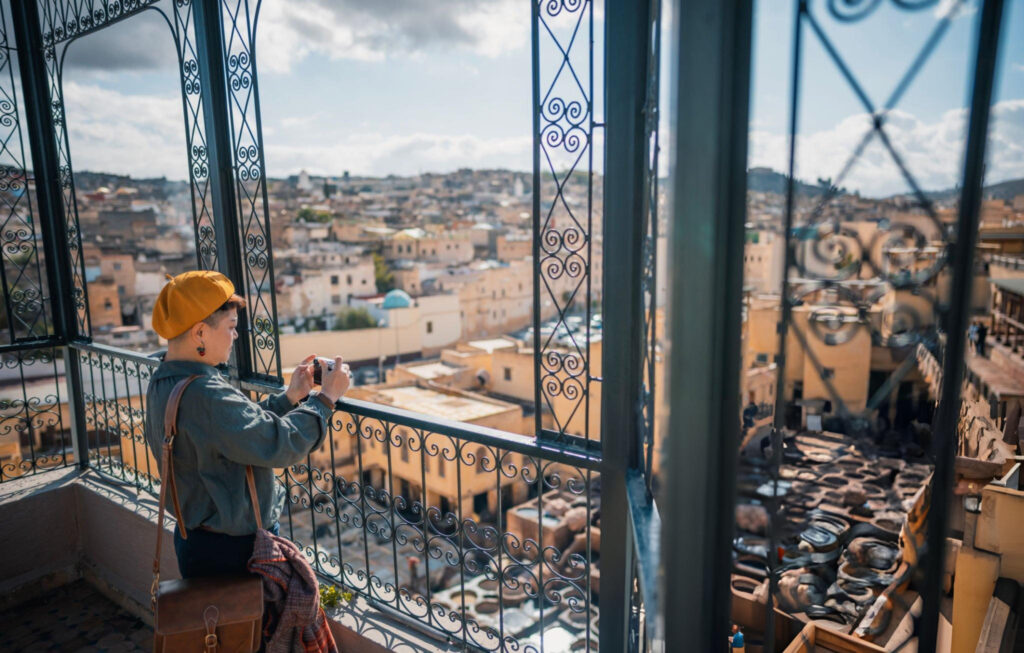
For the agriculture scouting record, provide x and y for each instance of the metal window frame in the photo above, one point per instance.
(39, 124)
(707, 181)
(627, 39)
(962, 263)
(209, 34)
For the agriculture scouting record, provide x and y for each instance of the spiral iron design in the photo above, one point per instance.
(564, 114)
(360, 521)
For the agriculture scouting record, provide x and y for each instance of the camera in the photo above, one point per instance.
(319, 365)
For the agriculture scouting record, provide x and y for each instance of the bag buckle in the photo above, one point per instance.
(210, 616)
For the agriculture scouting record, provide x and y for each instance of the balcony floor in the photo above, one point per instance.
(74, 618)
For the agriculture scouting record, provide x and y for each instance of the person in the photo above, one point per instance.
(221, 430)
(972, 336)
(982, 334)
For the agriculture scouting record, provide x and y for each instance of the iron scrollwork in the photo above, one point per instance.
(26, 314)
(563, 161)
(32, 430)
(380, 522)
(195, 135)
(240, 21)
(854, 10)
(67, 19)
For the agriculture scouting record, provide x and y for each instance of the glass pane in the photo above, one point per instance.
(131, 197)
(848, 283)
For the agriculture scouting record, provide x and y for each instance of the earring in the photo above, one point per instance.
(201, 349)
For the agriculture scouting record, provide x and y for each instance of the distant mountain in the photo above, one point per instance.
(1004, 190)
(766, 180)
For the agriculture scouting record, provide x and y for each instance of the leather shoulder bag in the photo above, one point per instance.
(212, 615)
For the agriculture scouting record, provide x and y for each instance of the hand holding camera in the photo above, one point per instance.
(333, 377)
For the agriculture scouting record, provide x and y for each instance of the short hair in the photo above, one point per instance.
(236, 302)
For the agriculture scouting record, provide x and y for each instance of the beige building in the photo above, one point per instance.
(121, 268)
(415, 277)
(511, 247)
(997, 213)
(358, 231)
(832, 358)
(457, 477)
(763, 261)
(104, 303)
(326, 287)
(419, 329)
(420, 245)
(494, 298)
(512, 376)
(845, 363)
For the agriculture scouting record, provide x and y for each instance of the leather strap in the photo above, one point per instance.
(324, 400)
(167, 481)
(252, 495)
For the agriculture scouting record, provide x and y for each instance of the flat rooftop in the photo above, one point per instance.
(492, 344)
(1016, 286)
(1003, 380)
(432, 370)
(439, 404)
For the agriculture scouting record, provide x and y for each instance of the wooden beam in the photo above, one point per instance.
(975, 580)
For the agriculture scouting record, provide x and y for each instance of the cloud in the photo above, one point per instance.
(375, 31)
(288, 32)
(140, 135)
(142, 42)
(143, 135)
(932, 152)
(401, 154)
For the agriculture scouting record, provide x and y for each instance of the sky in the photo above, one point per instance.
(405, 86)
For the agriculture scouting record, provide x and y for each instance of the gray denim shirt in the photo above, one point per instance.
(220, 431)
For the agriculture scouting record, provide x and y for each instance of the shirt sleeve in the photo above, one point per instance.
(278, 404)
(245, 432)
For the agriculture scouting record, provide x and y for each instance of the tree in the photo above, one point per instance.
(307, 214)
(354, 318)
(382, 274)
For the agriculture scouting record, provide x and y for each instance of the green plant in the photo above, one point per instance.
(309, 215)
(331, 596)
(354, 318)
(382, 275)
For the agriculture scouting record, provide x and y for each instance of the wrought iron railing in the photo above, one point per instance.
(488, 540)
(33, 426)
(1012, 262)
(115, 382)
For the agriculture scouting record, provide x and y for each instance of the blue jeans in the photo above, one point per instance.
(206, 553)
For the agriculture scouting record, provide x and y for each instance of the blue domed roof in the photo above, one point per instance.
(396, 299)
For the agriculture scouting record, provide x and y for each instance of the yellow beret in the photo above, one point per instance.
(189, 298)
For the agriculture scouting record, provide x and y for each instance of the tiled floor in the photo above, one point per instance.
(72, 619)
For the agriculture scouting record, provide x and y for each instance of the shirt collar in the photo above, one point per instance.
(184, 368)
